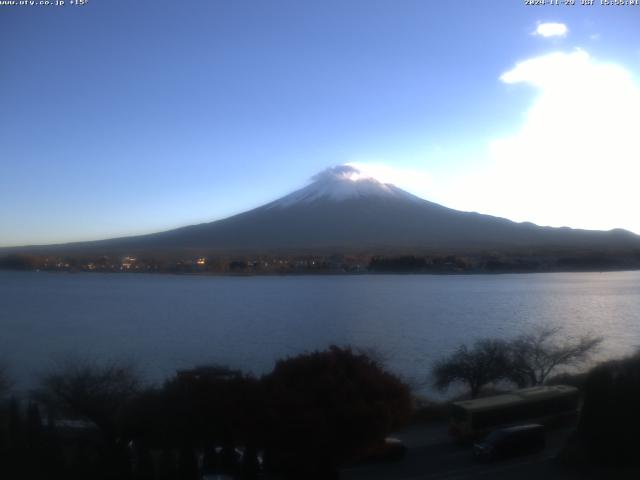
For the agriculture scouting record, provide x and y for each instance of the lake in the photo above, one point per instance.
(165, 322)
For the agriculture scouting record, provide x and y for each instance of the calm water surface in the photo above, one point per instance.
(164, 322)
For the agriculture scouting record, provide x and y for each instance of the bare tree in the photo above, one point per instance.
(485, 362)
(90, 391)
(535, 355)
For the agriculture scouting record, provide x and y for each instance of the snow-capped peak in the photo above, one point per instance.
(341, 172)
(340, 183)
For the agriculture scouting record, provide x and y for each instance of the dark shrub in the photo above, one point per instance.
(200, 407)
(610, 420)
(328, 407)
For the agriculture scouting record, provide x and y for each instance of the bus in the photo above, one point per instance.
(471, 419)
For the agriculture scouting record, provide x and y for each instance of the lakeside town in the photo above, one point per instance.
(335, 263)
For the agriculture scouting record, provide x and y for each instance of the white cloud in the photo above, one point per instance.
(551, 30)
(415, 181)
(575, 159)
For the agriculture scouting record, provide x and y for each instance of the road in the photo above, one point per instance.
(432, 455)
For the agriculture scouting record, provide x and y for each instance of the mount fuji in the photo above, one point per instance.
(344, 209)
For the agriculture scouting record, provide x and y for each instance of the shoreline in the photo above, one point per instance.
(323, 274)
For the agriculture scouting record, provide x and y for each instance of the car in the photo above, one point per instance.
(511, 442)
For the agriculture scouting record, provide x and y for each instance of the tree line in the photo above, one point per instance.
(311, 414)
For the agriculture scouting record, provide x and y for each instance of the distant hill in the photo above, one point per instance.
(343, 209)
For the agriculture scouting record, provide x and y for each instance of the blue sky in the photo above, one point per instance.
(122, 117)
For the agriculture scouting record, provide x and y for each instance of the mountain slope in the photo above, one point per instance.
(342, 208)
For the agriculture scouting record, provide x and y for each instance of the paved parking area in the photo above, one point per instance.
(432, 455)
